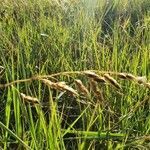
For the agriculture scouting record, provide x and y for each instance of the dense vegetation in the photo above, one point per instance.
(40, 109)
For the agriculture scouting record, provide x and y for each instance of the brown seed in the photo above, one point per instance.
(141, 80)
(81, 87)
(147, 85)
(67, 88)
(99, 95)
(95, 77)
(122, 75)
(96, 90)
(93, 85)
(29, 99)
(2, 70)
(90, 74)
(60, 86)
(130, 77)
(112, 81)
(48, 82)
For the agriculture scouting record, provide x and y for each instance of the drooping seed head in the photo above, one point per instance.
(69, 89)
(29, 99)
(122, 75)
(60, 86)
(130, 77)
(112, 81)
(81, 87)
(93, 85)
(95, 77)
(2, 70)
(141, 80)
(147, 85)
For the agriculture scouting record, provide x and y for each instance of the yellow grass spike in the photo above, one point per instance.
(29, 99)
(81, 87)
(147, 85)
(122, 75)
(96, 90)
(112, 81)
(60, 86)
(94, 76)
(141, 80)
(130, 77)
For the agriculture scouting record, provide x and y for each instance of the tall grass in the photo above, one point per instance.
(44, 37)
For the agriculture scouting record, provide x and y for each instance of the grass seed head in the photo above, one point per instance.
(2, 70)
(147, 85)
(67, 88)
(97, 92)
(60, 86)
(99, 95)
(112, 81)
(29, 99)
(47, 82)
(93, 85)
(81, 87)
(95, 77)
(141, 80)
(130, 77)
(122, 75)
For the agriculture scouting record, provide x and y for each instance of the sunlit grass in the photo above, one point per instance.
(40, 38)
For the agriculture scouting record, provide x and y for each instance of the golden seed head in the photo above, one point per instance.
(81, 87)
(141, 80)
(95, 77)
(29, 99)
(93, 85)
(60, 86)
(2, 70)
(112, 81)
(130, 77)
(147, 85)
(69, 89)
(122, 75)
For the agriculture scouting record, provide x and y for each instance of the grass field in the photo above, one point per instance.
(74, 77)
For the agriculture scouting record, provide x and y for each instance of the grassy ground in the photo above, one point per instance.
(42, 37)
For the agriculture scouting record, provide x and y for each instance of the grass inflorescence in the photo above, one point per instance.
(45, 103)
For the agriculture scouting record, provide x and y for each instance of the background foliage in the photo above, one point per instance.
(42, 37)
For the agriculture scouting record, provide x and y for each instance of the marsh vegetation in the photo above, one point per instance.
(74, 76)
